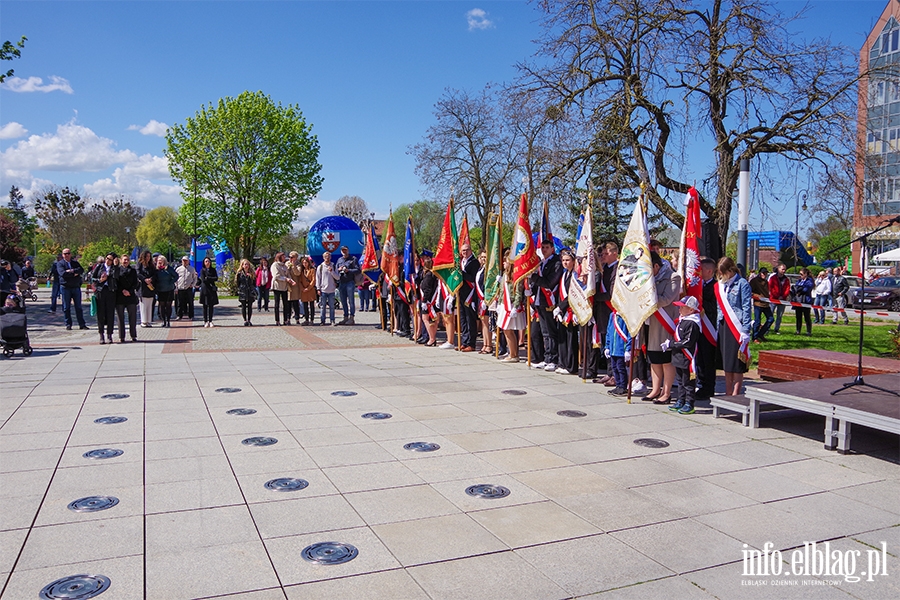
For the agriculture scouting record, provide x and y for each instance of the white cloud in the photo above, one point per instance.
(314, 210)
(72, 148)
(12, 130)
(141, 190)
(477, 19)
(36, 84)
(154, 127)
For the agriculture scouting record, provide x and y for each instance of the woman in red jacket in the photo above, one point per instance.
(263, 283)
(779, 289)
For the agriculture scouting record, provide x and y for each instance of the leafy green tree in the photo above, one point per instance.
(61, 210)
(158, 230)
(15, 210)
(246, 166)
(833, 240)
(427, 218)
(116, 219)
(9, 51)
(102, 247)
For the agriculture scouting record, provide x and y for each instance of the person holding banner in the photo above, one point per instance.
(662, 329)
(735, 301)
(428, 290)
(511, 311)
(468, 297)
(544, 289)
(568, 328)
(706, 349)
(484, 311)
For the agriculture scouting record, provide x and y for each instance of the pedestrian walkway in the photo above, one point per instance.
(243, 450)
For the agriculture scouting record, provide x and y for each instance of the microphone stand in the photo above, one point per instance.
(858, 381)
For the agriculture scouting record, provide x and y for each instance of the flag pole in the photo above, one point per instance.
(458, 328)
(582, 344)
(635, 344)
(500, 258)
(380, 307)
(528, 331)
(393, 309)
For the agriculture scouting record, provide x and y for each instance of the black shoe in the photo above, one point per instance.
(83, 327)
(68, 328)
(617, 391)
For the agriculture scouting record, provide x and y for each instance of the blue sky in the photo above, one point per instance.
(98, 82)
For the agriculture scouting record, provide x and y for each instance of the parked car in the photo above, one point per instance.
(883, 292)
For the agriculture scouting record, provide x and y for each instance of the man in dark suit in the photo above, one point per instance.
(70, 272)
(568, 326)
(544, 290)
(468, 298)
(54, 285)
(706, 350)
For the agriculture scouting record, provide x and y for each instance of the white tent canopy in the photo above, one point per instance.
(889, 256)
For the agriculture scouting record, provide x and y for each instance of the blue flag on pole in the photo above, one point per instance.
(410, 262)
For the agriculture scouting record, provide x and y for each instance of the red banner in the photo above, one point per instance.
(524, 258)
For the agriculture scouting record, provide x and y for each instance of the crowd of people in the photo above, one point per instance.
(680, 349)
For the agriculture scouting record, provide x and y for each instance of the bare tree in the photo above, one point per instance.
(470, 150)
(354, 208)
(654, 75)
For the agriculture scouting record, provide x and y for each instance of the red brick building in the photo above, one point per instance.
(878, 127)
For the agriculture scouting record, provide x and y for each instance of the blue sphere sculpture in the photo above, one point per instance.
(330, 233)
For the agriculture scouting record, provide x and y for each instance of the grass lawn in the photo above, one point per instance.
(837, 338)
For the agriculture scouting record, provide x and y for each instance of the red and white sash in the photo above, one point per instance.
(709, 330)
(563, 294)
(733, 322)
(666, 321)
(687, 353)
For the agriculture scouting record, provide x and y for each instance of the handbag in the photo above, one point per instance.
(93, 305)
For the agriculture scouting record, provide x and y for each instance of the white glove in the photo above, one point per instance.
(606, 353)
(527, 292)
(665, 345)
(557, 313)
(744, 339)
(627, 356)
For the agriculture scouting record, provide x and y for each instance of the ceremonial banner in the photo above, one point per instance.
(410, 263)
(464, 232)
(368, 262)
(689, 257)
(585, 256)
(390, 254)
(579, 302)
(446, 255)
(634, 294)
(524, 257)
(546, 235)
(494, 260)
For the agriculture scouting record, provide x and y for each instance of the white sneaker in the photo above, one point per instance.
(504, 355)
(562, 371)
(447, 346)
(638, 387)
(211, 324)
(539, 365)
(550, 367)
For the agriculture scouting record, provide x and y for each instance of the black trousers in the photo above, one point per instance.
(309, 310)
(106, 311)
(468, 321)
(402, 321)
(281, 304)
(537, 343)
(569, 338)
(706, 368)
(208, 312)
(185, 303)
(550, 333)
(685, 385)
(132, 320)
(247, 310)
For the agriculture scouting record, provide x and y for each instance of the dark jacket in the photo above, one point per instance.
(8, 279)
(803, 290)
(429, 286)
(759, 285)
(688, 336)
(546, 277)
(209, 294)
(27, 272)
(110, 283)
(350, 266)
(144, 273)
(127, 279)
(71, 279)
(469, 272)
(246, 287)
(165, 279)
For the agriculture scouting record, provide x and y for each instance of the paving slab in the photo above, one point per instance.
(589, 511)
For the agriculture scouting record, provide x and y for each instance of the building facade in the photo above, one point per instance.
(878, 157)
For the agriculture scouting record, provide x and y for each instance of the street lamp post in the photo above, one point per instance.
(803, 194)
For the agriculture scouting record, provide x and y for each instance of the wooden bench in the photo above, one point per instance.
(799, 365)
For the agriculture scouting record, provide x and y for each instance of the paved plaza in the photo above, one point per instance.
(588, 511)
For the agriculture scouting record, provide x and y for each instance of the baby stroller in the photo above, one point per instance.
(26, 288)
(14, 328)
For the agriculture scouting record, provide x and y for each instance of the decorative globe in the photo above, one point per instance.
(330, 233)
